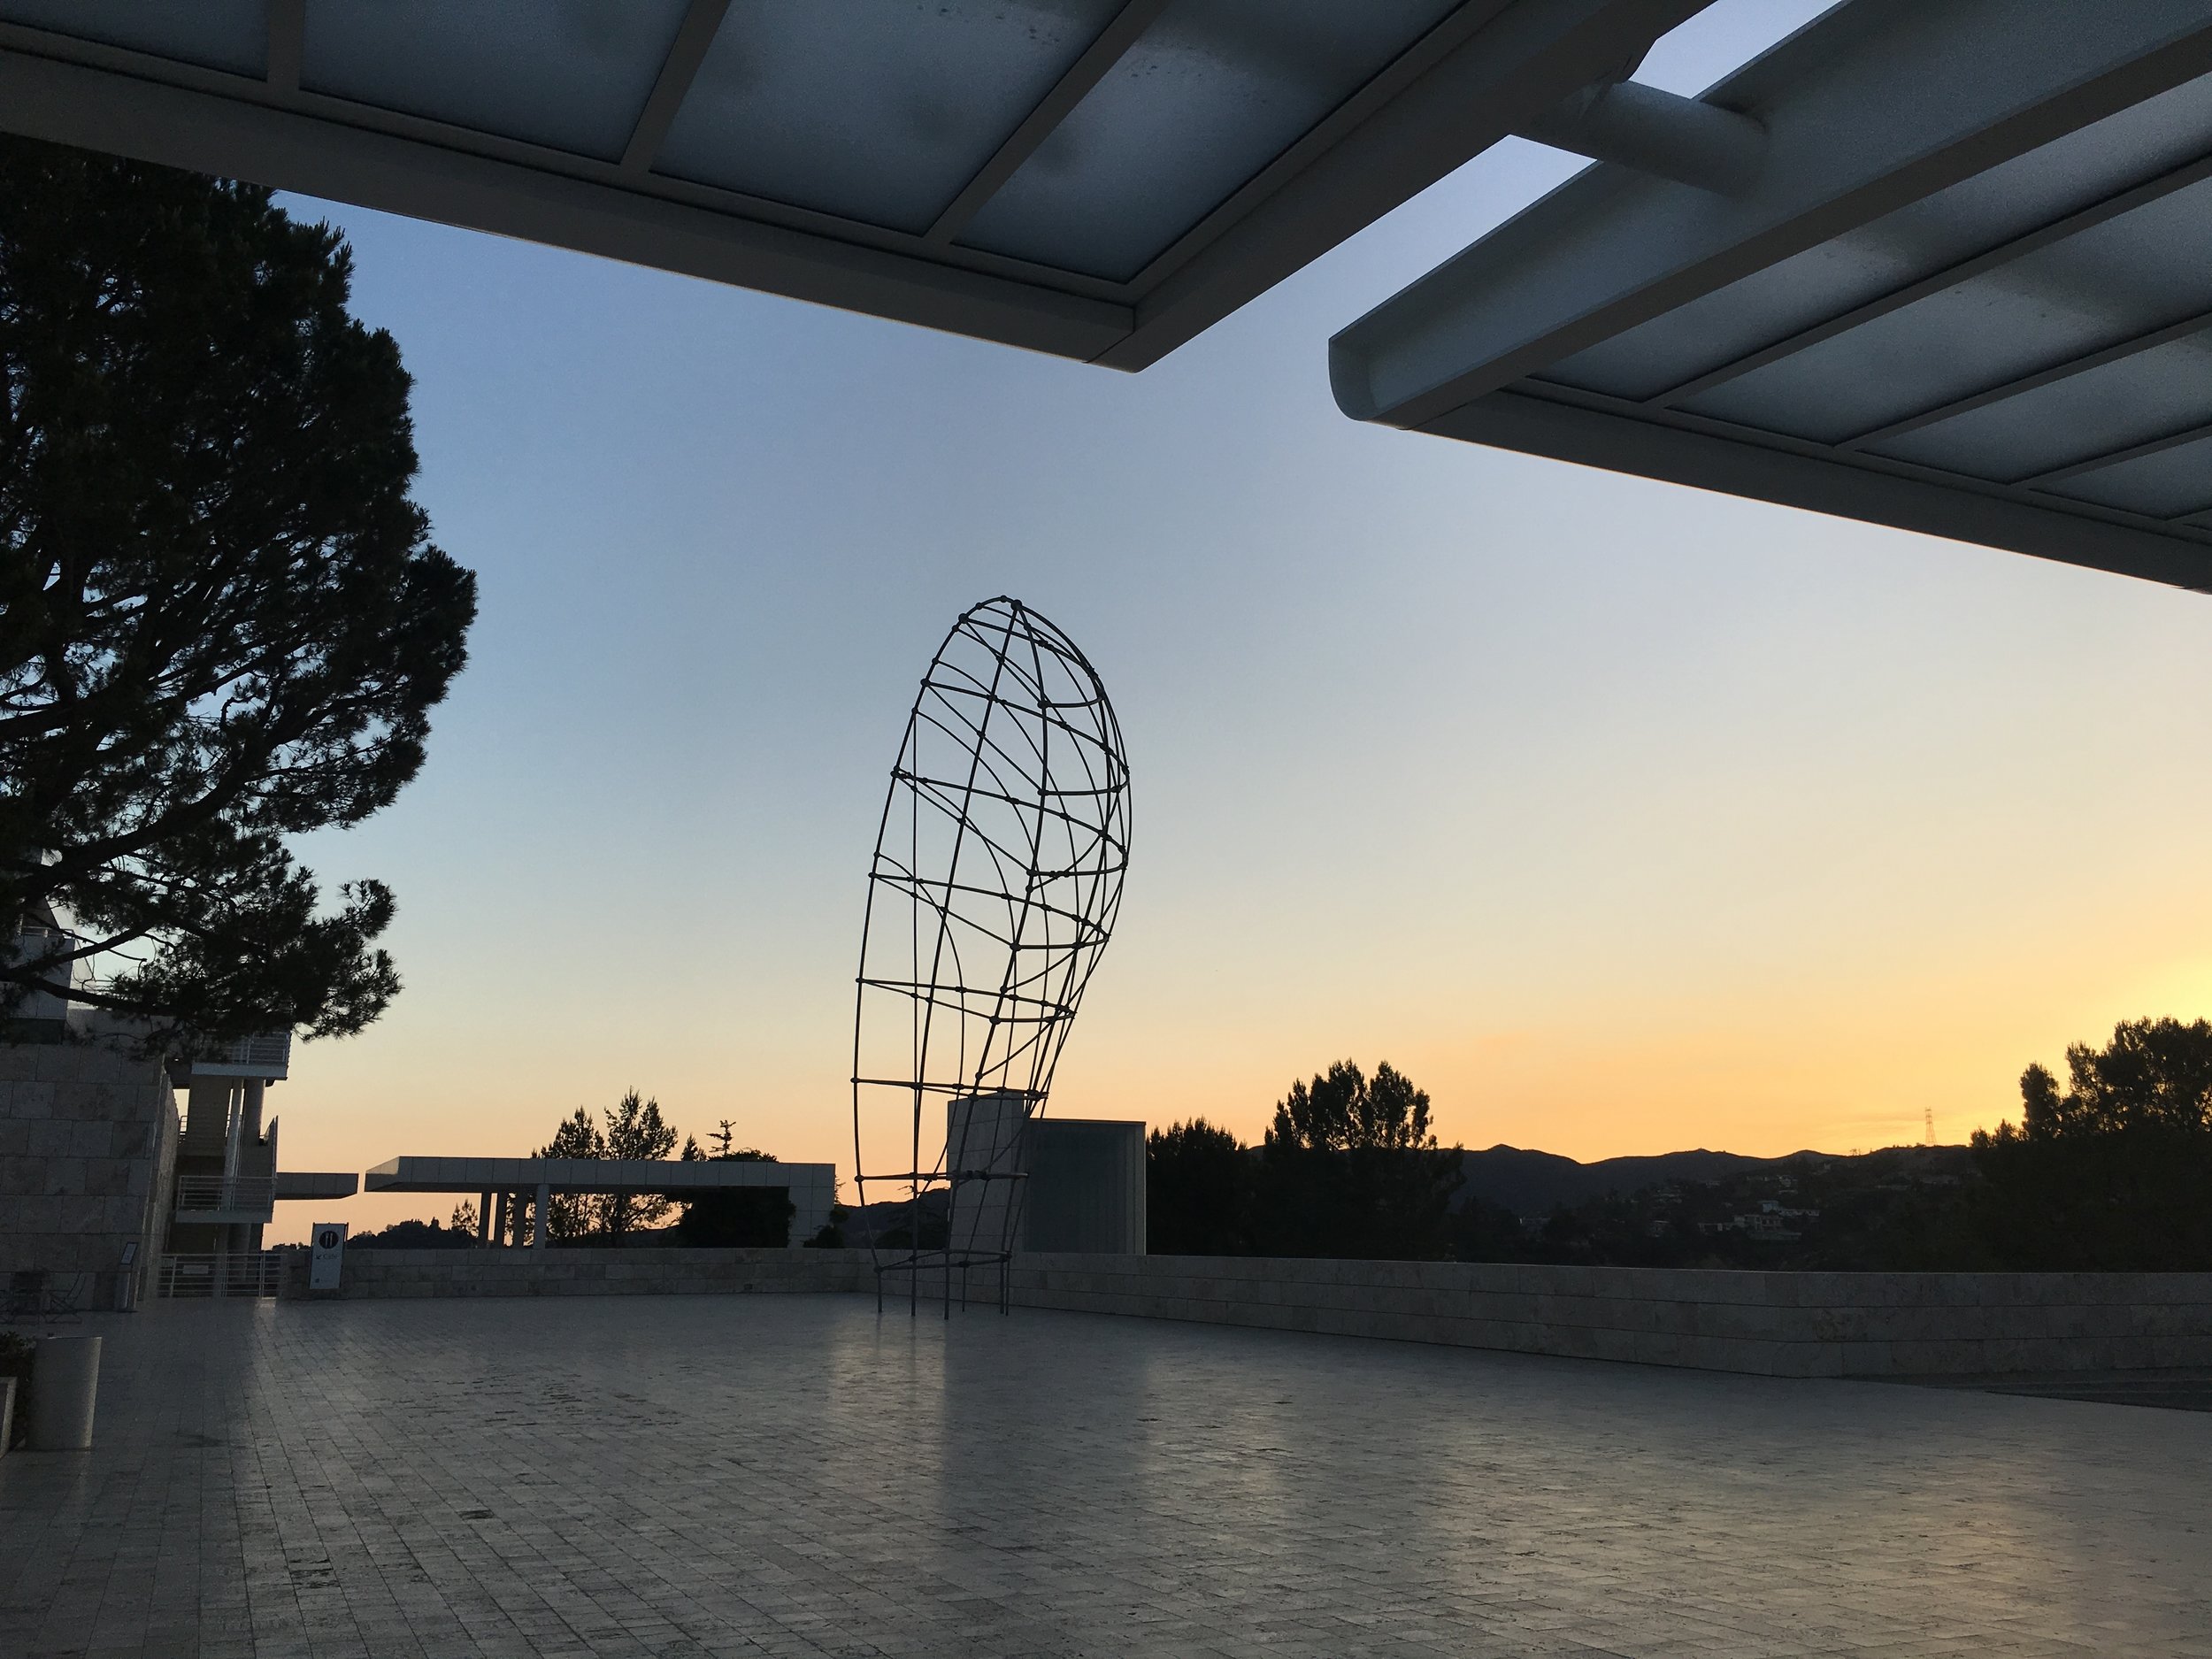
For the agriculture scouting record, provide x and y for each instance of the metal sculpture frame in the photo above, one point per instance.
(992, 895)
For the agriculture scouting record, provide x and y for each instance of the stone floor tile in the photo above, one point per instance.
(642, 1477)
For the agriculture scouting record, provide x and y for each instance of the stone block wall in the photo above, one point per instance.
(1774, 1324)
(562, 1271)
(87, 1135)
(1771, 1324)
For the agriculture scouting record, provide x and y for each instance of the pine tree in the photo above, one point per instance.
(222, 622)
(574, 1216)
(635, 1130)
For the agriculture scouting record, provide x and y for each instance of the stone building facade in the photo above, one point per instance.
(88, 1135)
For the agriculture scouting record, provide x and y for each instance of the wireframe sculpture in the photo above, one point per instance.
(995, 882)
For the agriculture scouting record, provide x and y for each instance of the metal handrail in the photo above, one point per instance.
(238, 1273)
(37, 1293)
(260, 1053)
(263, 1048)
(196, 1192)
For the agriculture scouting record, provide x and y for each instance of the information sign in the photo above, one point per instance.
(327, 1252)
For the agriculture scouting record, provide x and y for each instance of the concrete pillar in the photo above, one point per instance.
(810, 1210)
(544, 1214)
(234, 1127)
(499, 1227)
(484, 1219)
(250, 1112)
(985, 1155)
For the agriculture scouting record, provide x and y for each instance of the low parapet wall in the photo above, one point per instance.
(1777, 1323)
(1774, 1324)
(579, 1271)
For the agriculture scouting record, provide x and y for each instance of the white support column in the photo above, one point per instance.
(499, 1227)
(484, 1219)
(540, 1216)
(234, 1128)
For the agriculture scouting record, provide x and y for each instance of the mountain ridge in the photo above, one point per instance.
(1530, 1182)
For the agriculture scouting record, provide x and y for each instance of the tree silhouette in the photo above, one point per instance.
(1350, 1168)
(222, 623)
(573, 1216)
(1198, 1191)
(2114, 1171)
(635, 1130)
(630, 1128)
(753, 1215)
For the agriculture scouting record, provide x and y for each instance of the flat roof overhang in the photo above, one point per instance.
(672, 1177)
(612, 151)
(1968, 292)
(319, 1184)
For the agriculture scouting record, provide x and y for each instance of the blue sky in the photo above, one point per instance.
(1621, 816)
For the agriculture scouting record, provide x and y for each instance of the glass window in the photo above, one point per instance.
(1213, 92)
(231, 34)
(880, 110)
(572, 74)
(2167, 484)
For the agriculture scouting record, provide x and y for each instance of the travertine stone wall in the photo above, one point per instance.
(561, 1270)
(87, 1135)
(1782, 1325)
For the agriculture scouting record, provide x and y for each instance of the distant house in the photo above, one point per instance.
(1769, 1224)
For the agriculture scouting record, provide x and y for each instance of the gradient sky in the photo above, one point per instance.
(1623, 817)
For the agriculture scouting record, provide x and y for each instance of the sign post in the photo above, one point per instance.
(327, 1254)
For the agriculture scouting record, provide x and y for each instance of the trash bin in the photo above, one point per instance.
(65, 1379)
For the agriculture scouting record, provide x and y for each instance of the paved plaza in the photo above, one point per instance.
(787, 1475)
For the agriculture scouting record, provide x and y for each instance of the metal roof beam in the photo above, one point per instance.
(1656, 132)
(1098, 59)
(2113, 458)
(292, 150)
(1487, 66)
(694, 36)
(1875, 107)
(1491, 68)
(288, 43)
(1615, 435)
(1950, 277)
(2036, 382)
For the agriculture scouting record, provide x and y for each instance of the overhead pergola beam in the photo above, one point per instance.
(1487, 67)
(1656, 131)
(1486, 72)
(520, 190)
(2119, 351)
(288, 43)
(695, 37)
(1096, 62)
(1905, 99)
(2114, 457)
(1879, 107)
(1598, 431)
(1951, 276)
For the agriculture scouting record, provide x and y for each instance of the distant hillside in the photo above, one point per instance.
(862, 1223)
(1530, 1183)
